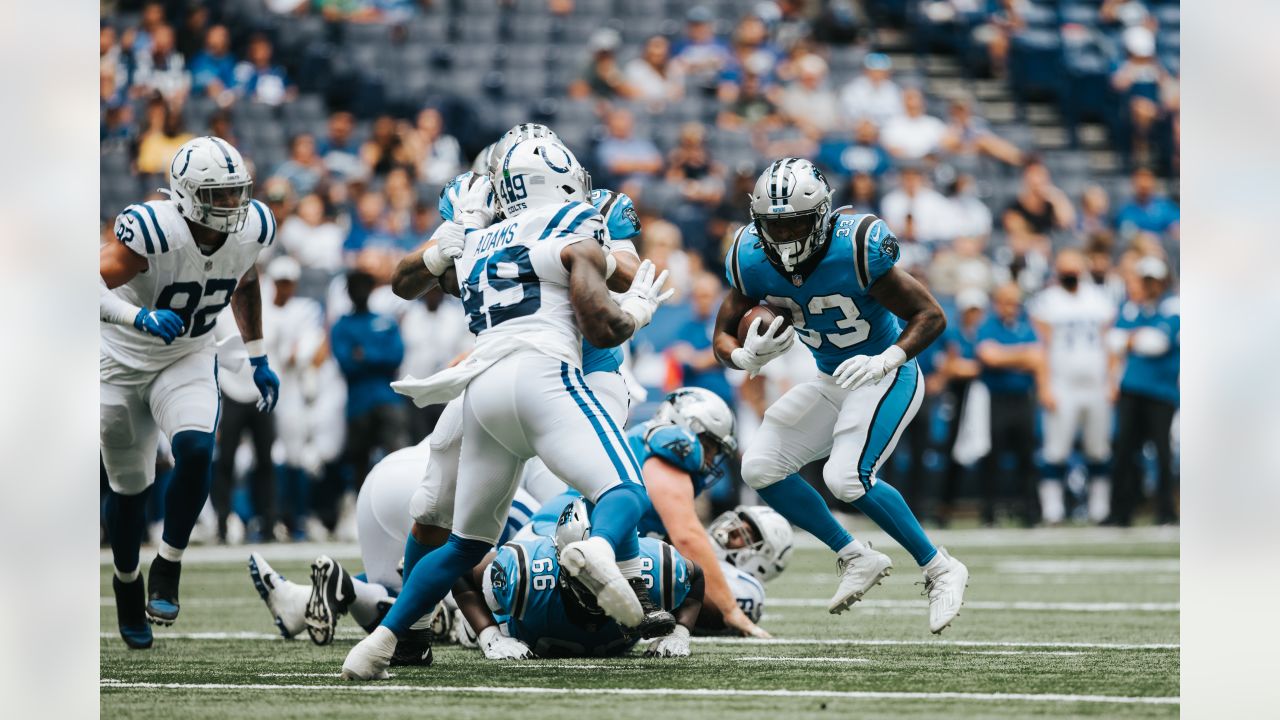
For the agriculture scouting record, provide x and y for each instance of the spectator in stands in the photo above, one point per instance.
(352, 11)
(808, 101)
(257, 80)
(1012, 369)
(751, 103)
(859, 153)
(386, 148)
(1147, 337)
(873, 95)
(1146, 87)
(624, 157)
(751, 52)
(1024, 258)
(280, 199)
(112, 64)
(161, 69)
(692, 349)
(368, 219)
(1095, 211)
(220, 126)
(304, 169)
(152, 19)
(968, 134)
(958, 369)
(969, 214)
(962, 266)
(660, 242)
(339, 149)
(654, 76)
(1098, 251)
(369, 350)
(914, 134)
(996, 34)
(603, 77)
(213, 70)
(161, 138)
(700, 54)
(1148, 210)
(690, 167)
(915, 211)
(440, 155)
(863, 193)
(1040, 203)
(311, 238)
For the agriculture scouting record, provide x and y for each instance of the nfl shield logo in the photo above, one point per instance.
(797, 279)
(208, 265)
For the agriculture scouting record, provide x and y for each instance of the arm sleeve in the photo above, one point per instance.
(114, 309)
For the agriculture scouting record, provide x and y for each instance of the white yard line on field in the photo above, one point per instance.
(1037, 653)
(661, 692)
(1088, 566)
(765, 658)
(992, 605)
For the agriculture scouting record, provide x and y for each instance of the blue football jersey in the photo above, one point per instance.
(522, 586)
(678, 447)
(831, 308)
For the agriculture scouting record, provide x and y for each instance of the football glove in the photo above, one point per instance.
(645, 294)
(475, 205)
(1149, 342)
(760, 347)
(497, 646)
(267, 382)
(862, 370)
(164, 324)
(450, 239)
(674, 645)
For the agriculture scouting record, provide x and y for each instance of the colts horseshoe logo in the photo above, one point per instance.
(546, 152)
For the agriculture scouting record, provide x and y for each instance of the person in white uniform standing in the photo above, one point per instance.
(174, 265)
(1073, 318)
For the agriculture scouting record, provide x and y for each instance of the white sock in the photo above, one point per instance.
(169, 552)
(631, 568)
(854, 546)
(364, 608)
(1052, 508)
(128, 577)
(940, 560)
(1099, 499)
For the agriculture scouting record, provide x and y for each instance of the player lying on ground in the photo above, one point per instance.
(172, 268)
(534, 287)
(520, 601)
(833, 277)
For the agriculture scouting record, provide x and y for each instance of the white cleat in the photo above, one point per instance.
(592, 562)
(858, 573)
(371, 657)
(286, 601)
(945, 579)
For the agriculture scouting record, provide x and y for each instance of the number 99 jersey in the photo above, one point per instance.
(179, 278)
(522, 588)
(830, 306)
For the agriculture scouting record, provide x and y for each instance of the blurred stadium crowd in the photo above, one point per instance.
(990, 134)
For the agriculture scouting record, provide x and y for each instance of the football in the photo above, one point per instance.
(765, 311)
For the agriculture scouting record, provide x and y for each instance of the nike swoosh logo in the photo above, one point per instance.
(338, 594)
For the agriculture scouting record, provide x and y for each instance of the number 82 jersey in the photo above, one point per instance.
(831, 307)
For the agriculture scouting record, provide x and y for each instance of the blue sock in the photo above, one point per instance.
(798, 502)
(1098, 469)
(615, 517)
(886, 508)
(432, 579)
(413, 552)
(1054, 471)
(126, 526)
(189, 489)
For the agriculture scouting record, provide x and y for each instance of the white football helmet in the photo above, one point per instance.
(574, 524)
(791, 209)
(703, 413)
(211, 184)
(539, 172)
(753, 538)
(517, 133)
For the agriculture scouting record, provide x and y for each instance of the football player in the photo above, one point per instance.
(834, 276)
(534, 286)
(173, 266)
(521, 601)
(754, 545)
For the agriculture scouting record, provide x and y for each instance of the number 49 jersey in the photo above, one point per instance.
(515, 288)
(831, 308)
(179, 278)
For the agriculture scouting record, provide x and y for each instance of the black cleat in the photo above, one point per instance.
(331, 594)
(131, 614)
(414, 649)
(162, 584)
(657, 622)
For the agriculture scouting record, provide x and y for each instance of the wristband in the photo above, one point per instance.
(610, 265)
(435, 261)
(255, 348)
(893, 356)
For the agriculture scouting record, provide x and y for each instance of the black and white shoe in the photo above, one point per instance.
(657, 622)
(131, 615)
(331, 594)
(162, 595)
(414, 648)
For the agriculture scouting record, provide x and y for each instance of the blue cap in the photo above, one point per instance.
(877, 61)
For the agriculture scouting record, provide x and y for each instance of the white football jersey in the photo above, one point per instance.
(1079, 322)
(515, 289)
(179, 278)
(746, 589)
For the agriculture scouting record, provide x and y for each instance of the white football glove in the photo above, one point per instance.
(862, 370)
(450, 239)
(761, 347)
(1150, 342)
(645, 294)
(674, 645)
(497, 646)
(475, 208)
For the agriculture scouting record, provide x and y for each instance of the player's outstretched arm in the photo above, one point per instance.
(603, 322)
(430, 264)
(725, 339)
(468, 593)
(905, 297)
(246, 307)
(118, 264)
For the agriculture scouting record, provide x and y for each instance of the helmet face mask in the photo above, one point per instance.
(791, 210)
(753, 538)
(224, 207)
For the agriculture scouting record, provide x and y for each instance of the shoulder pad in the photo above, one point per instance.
(677, 446)
(266, 227)
(574, 218)
(746, 236)
(139, 228)
(619, 213)
(503, 575)
(875, 249)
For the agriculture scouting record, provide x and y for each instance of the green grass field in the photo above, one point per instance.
(1057, 623)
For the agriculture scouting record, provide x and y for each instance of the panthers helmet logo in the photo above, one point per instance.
(497, 576)
(889, 246)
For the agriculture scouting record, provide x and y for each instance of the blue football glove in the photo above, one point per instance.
(164, 324)
(267, 381)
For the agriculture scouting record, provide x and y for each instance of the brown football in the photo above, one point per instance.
(767, 313)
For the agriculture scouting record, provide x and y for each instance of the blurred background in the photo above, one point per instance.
(990, 135)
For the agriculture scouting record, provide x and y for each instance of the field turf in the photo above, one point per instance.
(1057, 623)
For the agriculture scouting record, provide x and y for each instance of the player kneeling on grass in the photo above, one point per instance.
(520, 600)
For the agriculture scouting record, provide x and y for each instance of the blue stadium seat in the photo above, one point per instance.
(428, 29)
(532, 29)
(478, 29)
(1035, 63)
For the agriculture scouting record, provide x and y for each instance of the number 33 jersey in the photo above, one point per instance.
(831, 307)
(179, 278)
(515, 288)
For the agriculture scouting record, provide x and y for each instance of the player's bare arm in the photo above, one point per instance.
(624, 271)
(246, 306)
(671, 492)
(411, 279)
(602, 321)
(118, 264)
(468, 594)
(725, 339)
(905, 297)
